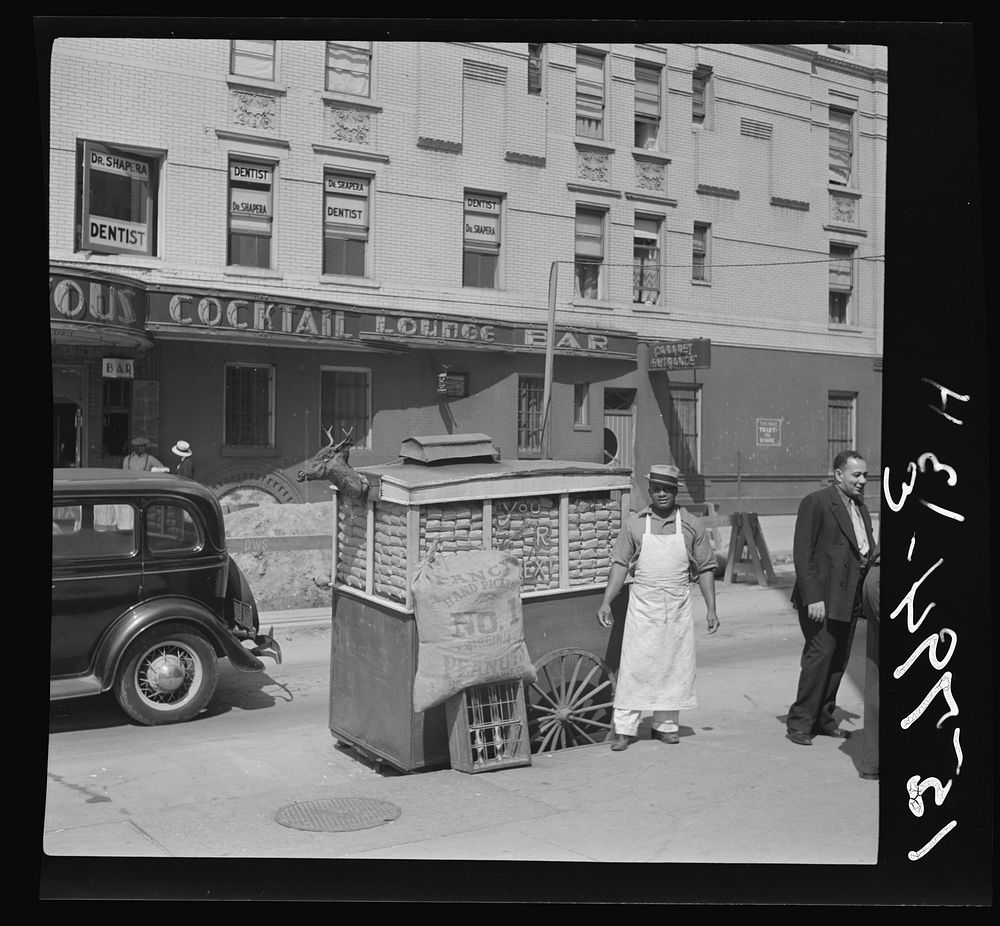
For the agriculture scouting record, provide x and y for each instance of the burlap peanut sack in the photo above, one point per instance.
(469, 625)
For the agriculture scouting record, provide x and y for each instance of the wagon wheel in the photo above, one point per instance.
(570, 701)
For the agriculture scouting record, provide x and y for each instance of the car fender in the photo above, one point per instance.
(148, 614)
(238, 588)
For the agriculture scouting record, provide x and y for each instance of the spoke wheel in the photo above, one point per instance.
(570, 702)
(167, 675)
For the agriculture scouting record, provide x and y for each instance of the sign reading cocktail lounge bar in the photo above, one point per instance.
(234, 313)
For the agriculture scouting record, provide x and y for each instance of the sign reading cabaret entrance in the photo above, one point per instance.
(173, 311)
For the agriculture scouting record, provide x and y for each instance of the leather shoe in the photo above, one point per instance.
(621, 742)
(797, 736)
(838, 734)
(664, 737)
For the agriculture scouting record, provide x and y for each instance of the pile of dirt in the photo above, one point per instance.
(283, 579)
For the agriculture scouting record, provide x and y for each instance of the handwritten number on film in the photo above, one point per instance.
(929, 465)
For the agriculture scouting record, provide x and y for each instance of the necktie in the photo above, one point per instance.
(859, 527)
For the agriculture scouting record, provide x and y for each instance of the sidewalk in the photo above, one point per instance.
(733, 791)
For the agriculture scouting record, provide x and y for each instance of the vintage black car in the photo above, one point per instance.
(145, 597)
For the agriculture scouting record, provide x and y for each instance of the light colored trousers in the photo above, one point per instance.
(627, 721)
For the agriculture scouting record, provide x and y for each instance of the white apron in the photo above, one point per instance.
(657, 668)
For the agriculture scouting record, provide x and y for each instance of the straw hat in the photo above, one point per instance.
(182, 449)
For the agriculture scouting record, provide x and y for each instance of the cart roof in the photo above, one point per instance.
(416, 482)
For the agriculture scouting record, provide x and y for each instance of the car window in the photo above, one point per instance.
(89, 530)
(171, 529)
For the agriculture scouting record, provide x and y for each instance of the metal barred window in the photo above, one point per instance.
(530, 395)
(684, 427)
(248, 409)
(840, 423)
(345, 405)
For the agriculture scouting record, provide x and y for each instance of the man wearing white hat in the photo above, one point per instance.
(185, 465)
(658, 551)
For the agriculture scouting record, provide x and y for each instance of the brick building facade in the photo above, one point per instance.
(293, 236)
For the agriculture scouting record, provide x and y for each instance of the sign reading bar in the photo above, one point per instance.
(768, 432)
(695, 354)
(231, 313)
(117, 368)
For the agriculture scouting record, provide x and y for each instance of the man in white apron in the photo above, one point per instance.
(658, 550)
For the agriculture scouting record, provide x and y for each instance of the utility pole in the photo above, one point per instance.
(550, 342)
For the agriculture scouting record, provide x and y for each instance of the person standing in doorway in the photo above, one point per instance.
(141, 459)
(831, 546)
(658, 551)
(185, 465)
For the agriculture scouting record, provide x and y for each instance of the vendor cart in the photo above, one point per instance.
(560, 518)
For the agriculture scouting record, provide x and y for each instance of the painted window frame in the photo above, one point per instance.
(581, 406)
(648, 107)
(588, 254)
(344, 184)
(536, 68)
(105, 163)
(267, 229)
(252, 50)
(647, 251)
(478, 253)
(701, 252)
(591, 94)
(702, 96)
(357, 53)
(841, 146)
(841, 293)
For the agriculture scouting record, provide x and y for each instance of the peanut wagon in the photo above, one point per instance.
(560, 518)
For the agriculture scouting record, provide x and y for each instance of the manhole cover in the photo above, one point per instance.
(337, 814)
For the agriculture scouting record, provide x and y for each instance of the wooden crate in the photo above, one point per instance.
(488, 727)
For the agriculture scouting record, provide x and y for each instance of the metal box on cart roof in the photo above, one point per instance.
(560, 518)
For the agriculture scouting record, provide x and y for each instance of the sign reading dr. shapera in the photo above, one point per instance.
(118, 201)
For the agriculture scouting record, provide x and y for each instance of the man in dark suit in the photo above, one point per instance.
(833, 540)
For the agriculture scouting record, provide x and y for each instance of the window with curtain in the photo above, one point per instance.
(252, 58)
(841, 145)
(699, 252)
(345, 405)
(589, 94)
(841, 283)
(535, 65)
(589, 252)
(249, 404)
(530, 395)
(349, 67)
(647, 105)
(646, 253)
(581, 404)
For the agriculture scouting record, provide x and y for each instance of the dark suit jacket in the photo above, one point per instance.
(826, 554)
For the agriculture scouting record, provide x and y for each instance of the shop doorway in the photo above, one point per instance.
(619, 427)
(69, 399)
(67, 428)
